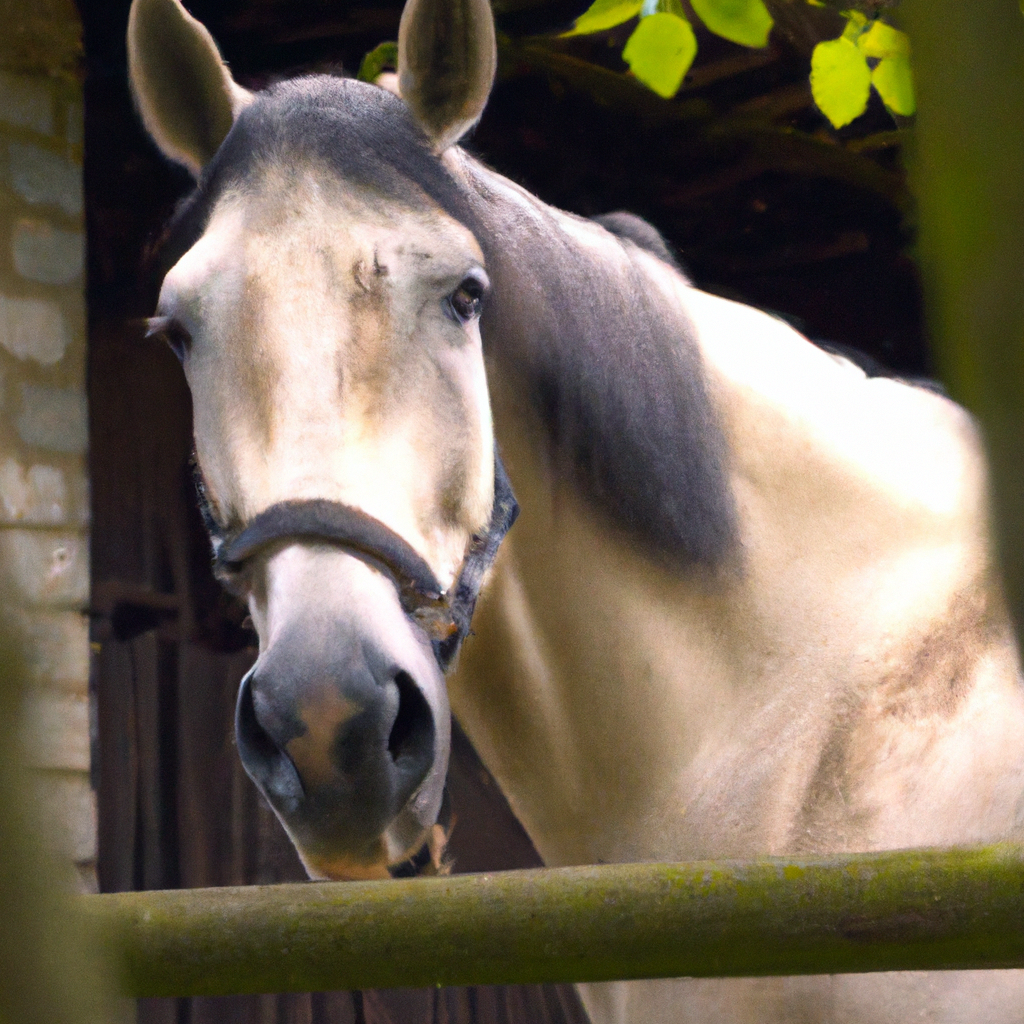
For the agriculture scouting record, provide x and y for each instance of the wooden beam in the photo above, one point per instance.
(908, 910)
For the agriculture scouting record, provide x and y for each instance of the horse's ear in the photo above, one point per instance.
(447, 57)
(184, 91)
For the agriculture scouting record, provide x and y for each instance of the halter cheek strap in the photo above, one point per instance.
(479, 558)
(445, 616)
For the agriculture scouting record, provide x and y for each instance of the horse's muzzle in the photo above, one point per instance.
(342, 724)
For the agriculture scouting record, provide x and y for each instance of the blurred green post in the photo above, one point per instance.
(51, 960)
(968, 174)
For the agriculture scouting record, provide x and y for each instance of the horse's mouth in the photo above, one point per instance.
(426, 857)
(345, 869)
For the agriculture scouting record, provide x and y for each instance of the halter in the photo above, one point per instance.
(445, 616)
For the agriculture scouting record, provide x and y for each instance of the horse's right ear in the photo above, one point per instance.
(447, 57)
(184, 91)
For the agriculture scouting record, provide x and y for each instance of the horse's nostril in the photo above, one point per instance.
(411, 741)
(352, 752)
(263, 759)
(249, 732)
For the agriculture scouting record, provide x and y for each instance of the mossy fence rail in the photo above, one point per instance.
(905, 910)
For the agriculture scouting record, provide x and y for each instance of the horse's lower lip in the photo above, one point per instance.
(343, 869)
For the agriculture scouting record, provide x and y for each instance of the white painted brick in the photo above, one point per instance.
(67, 806)
(38, 495)
(26, 102)
(44, 177)
(75, 124)
(56, 730)
(56, 648)
(53, 418)
(78, 498)
(47, 254)
(45, 568)
(33, 329)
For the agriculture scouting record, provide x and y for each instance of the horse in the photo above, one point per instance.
(750, 605)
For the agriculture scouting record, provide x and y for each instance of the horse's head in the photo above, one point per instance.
(323, 298)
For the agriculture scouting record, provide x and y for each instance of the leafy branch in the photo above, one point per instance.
(868, 54)
(851, 52)
(842, 77)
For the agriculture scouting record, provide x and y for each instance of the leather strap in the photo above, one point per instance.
(446, 617)
(321, 520)
(479, 558)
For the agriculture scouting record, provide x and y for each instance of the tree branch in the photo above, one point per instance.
(768, 147)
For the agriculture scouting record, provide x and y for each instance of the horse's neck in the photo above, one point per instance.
(633, 712)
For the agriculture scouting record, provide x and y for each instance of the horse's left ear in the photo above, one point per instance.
(447, 57)
(183, 89)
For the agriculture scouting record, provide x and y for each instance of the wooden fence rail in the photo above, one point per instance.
(908, 910)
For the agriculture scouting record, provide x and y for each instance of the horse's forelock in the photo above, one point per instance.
(363, 134)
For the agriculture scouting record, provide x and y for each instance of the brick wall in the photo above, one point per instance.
(44, 504)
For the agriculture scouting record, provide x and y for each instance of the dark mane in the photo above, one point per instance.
(640, 232)
(616, 379)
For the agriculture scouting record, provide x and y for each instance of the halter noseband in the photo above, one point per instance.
(445, 616)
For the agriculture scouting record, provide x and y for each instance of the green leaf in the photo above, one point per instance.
(661, 51)
(746, 22)
(855, 24)
(840, 80)
(605, 14)
(883, 41)
(380, 57)
(895, 84)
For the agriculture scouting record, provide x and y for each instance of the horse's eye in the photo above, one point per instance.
(465, 302)
(167, 328)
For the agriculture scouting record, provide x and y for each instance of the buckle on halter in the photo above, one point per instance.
(435, 618)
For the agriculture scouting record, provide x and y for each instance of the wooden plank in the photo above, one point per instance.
(905, 910)
(117, 761)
